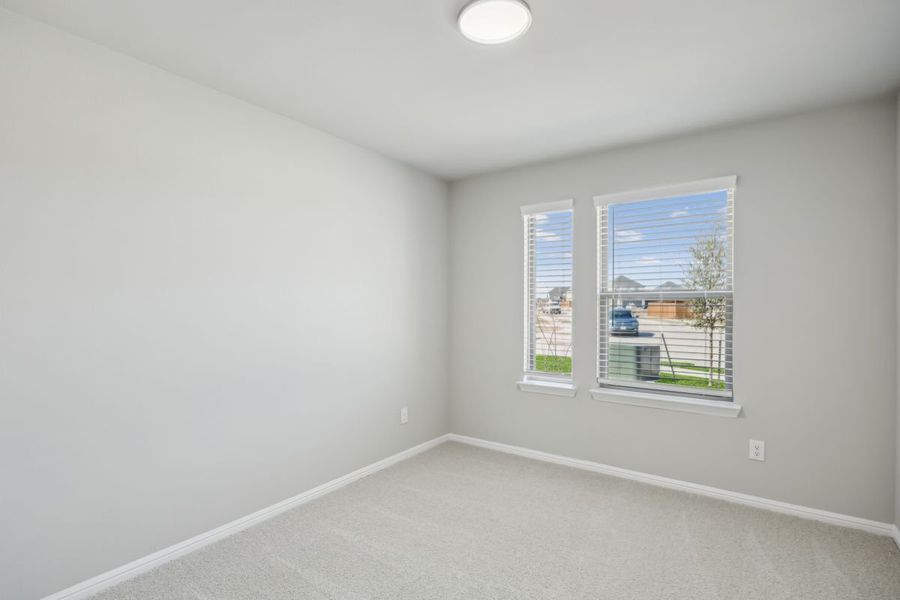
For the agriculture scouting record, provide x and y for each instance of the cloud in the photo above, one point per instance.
(679, 213)
(629, 235)
(648, 261)
(547, 236)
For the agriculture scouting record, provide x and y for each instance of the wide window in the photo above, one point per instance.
(548, 292)
(665, 289)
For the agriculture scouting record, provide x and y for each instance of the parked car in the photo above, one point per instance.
(553, 308)
(622, 322)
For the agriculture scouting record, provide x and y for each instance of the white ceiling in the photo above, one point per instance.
(397, 77)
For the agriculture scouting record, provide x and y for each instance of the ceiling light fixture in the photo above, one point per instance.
(494, 21)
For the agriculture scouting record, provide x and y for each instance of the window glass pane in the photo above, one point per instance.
(652, 243)
(665, 294)
(549, 293)
(682, 342)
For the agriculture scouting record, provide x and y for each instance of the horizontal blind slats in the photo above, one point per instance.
(665, 289)
(548, 293)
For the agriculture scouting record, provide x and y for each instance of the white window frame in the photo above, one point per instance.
(532, 381)
(646, 395)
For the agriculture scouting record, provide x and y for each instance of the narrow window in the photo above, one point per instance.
(665, 289)
(548, 292)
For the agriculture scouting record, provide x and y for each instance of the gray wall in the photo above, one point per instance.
(205, 308)
(815, 338)
(897, 461)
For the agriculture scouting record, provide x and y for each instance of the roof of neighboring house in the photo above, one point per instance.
(626, 283)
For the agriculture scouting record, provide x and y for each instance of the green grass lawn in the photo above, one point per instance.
(688, 366)
(563, 364)
(689, 381)
(553, 364)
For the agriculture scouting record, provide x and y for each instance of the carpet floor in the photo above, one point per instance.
(459, 522)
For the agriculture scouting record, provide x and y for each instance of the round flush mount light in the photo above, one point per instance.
(494, 21)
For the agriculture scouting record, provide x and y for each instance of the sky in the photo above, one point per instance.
(652, 239)
(553, 251)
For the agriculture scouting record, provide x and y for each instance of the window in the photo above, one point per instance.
(665, 290)
(548, 295)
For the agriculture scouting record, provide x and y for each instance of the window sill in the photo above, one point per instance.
(718, 408)
(547, 387)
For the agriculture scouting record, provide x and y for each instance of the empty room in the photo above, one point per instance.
(449, 299)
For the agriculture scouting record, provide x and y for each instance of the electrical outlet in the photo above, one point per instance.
(404, 415)
(757, 450)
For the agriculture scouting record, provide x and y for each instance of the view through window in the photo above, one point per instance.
(548, 293)
(665, 298)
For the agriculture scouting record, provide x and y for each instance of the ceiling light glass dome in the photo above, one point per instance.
(494, 21)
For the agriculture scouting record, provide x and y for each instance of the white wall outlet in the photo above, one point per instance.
(404, 415)
(757, 450)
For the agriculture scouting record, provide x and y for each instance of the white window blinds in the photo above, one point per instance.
(665, 289)
(548, 291)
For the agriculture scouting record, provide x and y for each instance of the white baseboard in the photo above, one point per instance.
(100, 582)
(896, 536)
(888, 529)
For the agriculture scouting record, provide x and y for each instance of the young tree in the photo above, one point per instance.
(554, 326)
(708, 271)
(551, 328)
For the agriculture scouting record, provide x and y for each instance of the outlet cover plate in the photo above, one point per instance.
(757, 450)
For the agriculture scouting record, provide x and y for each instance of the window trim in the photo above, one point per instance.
(542, 207)
(667, 191)
(532, 381)
(667, 401)
(638, 395)
(543, 386)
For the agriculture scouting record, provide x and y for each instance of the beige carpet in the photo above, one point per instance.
(466, 523)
